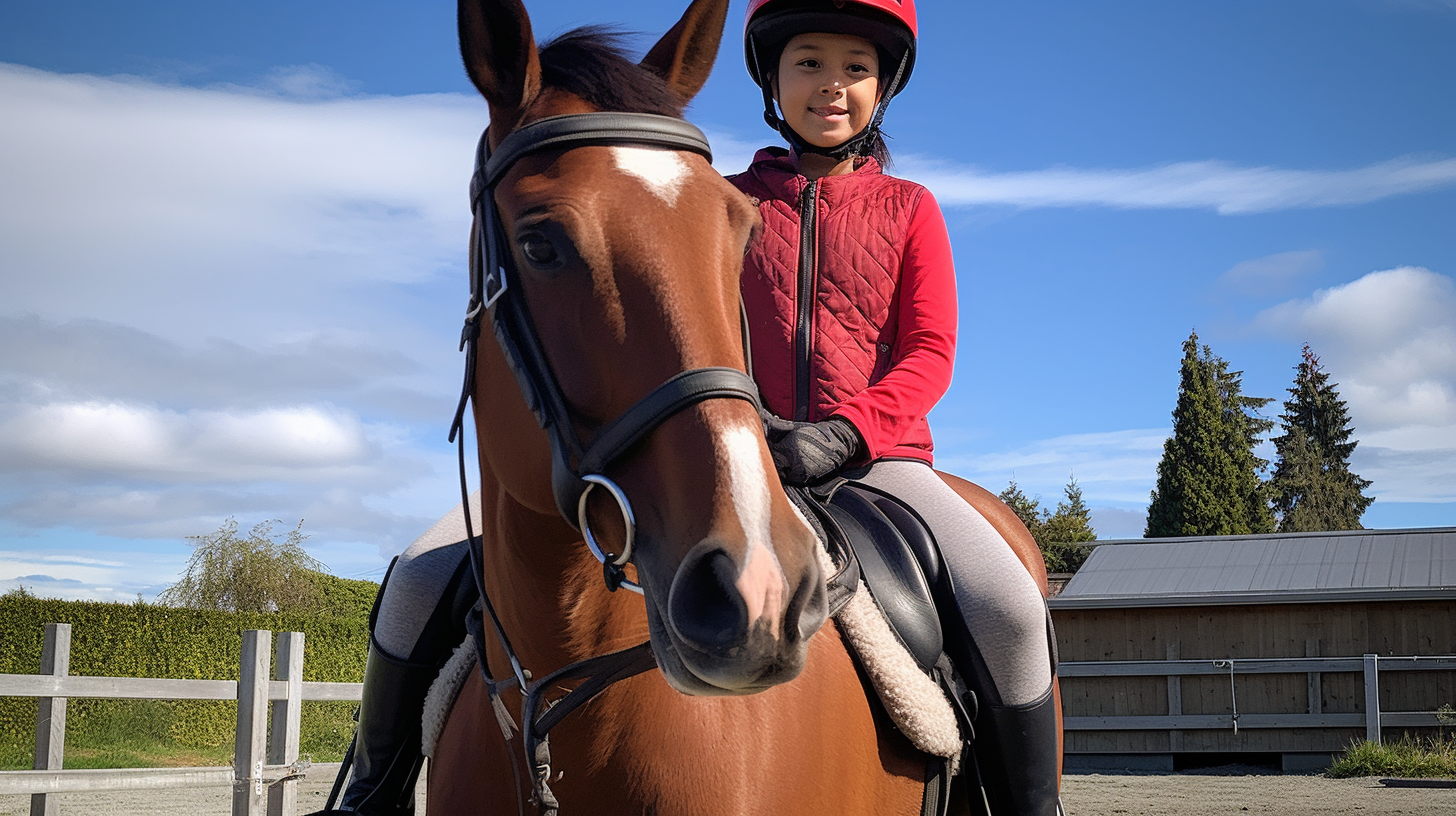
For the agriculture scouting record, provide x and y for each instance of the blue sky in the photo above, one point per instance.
(232, 240)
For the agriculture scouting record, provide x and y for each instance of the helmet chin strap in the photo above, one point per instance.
(856, 145)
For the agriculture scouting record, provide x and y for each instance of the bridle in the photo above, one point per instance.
(576, 468)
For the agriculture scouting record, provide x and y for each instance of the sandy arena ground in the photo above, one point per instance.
(1216, 792)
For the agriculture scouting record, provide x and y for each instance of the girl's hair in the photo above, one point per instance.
(879, 149)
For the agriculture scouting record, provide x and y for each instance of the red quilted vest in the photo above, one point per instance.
(850, 296)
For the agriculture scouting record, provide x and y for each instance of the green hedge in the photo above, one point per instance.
(145, 640)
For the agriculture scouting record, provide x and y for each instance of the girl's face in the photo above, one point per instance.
(827, 86)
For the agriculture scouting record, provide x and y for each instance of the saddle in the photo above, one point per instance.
(877, 546)
(872, 536)
(898, 561)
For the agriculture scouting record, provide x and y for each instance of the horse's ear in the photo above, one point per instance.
(500, 54)
(684, 56)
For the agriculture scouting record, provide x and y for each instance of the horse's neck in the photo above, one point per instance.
(547, 588)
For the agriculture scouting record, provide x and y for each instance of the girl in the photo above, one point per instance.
(852, 314)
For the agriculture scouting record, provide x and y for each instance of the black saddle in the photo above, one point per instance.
(882, 541)
(877, 538)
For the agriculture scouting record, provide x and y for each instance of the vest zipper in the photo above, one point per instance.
(808, 255)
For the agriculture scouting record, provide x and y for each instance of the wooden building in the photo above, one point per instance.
(1241, 617)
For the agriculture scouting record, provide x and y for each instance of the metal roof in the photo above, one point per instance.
(1355, 565)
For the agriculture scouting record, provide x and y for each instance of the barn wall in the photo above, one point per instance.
(1242, 632)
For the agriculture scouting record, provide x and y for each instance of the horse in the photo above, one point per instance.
(627, 258)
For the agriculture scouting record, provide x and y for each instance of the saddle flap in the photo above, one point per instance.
(891, 571)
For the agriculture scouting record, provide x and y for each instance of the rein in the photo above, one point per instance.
(576, 468)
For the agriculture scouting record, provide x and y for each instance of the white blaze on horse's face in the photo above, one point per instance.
(663, 171)
(761, 583)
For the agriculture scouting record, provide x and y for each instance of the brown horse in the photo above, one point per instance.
(628, 261)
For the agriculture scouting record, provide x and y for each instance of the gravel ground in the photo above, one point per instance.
(313, 791)
(1236, 791)
(1216, 792)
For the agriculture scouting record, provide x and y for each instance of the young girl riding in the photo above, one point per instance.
(851, 300)
(850, 295)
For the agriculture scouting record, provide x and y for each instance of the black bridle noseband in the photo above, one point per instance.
(576, 468)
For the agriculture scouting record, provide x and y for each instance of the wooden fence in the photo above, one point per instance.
(1369, 667)
(266, 765)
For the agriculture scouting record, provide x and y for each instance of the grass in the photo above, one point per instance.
(1434, 757)
(167, 734)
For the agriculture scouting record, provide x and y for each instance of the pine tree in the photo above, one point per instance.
(1026, 509)
(1066, 530)
(1058, 535)
(1313, 487)
(1208, 479)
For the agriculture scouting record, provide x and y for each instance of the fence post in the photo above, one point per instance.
(1175, 700)
(1314, 683)
(1372, 698)
(284, 726)
(249, 792)
(50, 717)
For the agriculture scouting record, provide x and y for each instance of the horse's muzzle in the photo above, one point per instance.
(736, 623)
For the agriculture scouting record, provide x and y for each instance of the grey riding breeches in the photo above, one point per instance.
(418, 581)
(998, 599)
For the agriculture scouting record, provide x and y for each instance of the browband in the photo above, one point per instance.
(582, 130)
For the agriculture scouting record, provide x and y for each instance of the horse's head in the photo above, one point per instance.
(627, 257)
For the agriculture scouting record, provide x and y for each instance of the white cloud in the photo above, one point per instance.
(1389, 338)
(730, 153)
(1389, 341)
(44, 361)
(1114, 468)
(312, 81)
(1115, 522)
(228, 301)
(1226, 188)
(130, 441)
(1270, 273)
(72, 575)
(230, 212)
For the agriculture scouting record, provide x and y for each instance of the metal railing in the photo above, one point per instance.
(266, 765)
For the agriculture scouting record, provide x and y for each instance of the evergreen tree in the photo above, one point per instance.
(1026, 509)
(1208, 479)
(1313, 487)
(1058, 535)
(1071, 523)
(1065, 531)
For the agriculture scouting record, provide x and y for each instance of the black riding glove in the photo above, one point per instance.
(806, 452)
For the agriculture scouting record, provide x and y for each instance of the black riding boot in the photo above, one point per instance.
(1015, 746)
(1016, 750)
(386, 753)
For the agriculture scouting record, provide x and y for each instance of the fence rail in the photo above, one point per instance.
(266, 765)
(1370, 665)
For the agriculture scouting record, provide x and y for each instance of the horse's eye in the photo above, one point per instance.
(537, 249)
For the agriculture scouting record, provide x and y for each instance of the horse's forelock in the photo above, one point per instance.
(591, 62)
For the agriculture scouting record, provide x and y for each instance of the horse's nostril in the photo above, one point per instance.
(705, 607)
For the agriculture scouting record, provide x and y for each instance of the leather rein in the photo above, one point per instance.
(576, 467)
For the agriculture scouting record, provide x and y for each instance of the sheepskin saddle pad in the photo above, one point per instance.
(887, 614)
(880, 598)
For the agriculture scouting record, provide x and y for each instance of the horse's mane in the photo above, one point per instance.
(591, 62)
